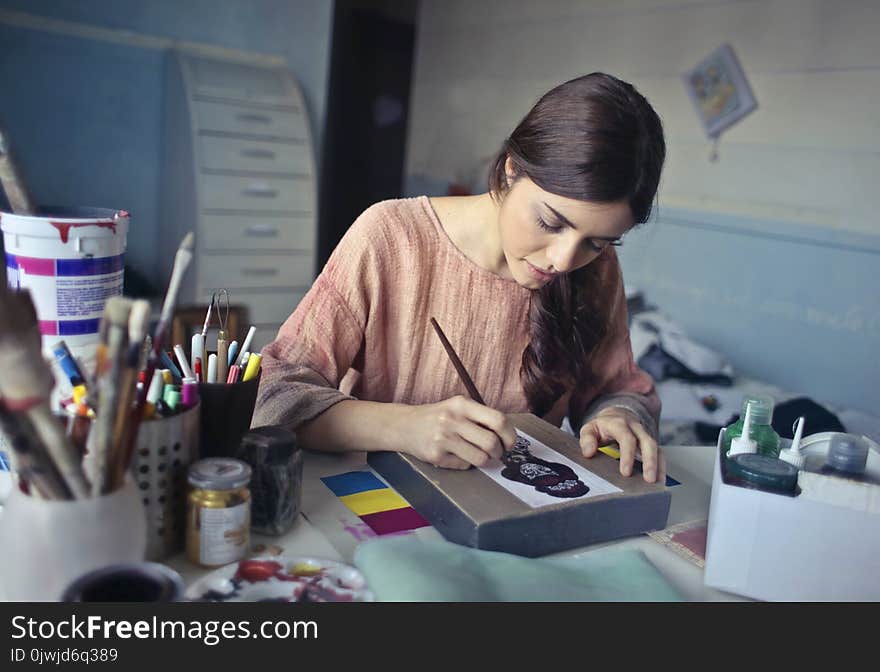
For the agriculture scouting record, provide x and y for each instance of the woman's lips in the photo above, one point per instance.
(538, 273)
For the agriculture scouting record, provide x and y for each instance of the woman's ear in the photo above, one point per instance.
(509, 171)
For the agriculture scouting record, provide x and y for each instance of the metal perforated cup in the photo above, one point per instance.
(165, 449)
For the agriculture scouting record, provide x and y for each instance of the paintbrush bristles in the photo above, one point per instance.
(181, 262)
(139, 321)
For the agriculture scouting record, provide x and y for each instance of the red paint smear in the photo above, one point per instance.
(694, 540)
(395, 520)
(64, 227)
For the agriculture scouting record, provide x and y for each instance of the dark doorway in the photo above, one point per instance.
(367, 110)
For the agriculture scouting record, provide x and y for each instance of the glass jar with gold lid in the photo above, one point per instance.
(218, 511)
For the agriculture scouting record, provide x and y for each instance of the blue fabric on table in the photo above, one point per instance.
(410, 569)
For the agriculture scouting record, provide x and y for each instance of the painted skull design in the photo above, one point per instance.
(552, 478)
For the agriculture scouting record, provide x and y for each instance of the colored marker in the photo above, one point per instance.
(168, 363)
(233, 351)
(233, 374)
(246, 344)
(190, 392)
(212, 368)
(253, 367)
(68, 364)
(184, 363)
(197, 351)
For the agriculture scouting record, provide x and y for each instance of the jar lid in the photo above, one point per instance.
(764, 471)
(219, 473)
(848, 454)
(268, 444)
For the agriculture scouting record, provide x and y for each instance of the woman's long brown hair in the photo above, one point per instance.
(597, 139)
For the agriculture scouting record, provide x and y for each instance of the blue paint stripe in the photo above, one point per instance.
(96, 266)
(637, 469)
(352, 482)
(4, 463)
(78, 327)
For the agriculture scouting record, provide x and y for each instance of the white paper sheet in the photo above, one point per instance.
(534, 498)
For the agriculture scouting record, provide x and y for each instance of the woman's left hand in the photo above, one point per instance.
(625, 427)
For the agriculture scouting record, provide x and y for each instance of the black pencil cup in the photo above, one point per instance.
(227, 410)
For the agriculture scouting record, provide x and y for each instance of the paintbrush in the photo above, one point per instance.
(181, 262)
(11, 180)
(462, 372)
(124, 425)
(108, 376)
(32, 463)
(27, 382)
(456, 362)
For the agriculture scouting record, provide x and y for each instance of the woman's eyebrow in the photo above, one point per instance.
(562, 219)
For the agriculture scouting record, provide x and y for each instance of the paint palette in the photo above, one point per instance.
(282, 579)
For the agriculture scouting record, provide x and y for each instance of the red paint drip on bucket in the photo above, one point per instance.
(64, 227)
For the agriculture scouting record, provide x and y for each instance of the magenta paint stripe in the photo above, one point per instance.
(395, 520)
(48, 328)
(32, 265)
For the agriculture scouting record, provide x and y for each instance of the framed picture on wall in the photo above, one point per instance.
(719, 90)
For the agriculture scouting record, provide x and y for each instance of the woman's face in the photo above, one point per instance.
(543, 234)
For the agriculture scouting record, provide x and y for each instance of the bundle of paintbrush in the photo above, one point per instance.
(47, 460)
(42, 453)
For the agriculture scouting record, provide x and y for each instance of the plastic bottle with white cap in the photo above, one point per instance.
(760, 429)
(793, 454)
(744, 443)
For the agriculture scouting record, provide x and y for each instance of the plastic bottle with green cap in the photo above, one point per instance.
(760, 410)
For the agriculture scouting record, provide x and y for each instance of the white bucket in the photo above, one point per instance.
(71, 261)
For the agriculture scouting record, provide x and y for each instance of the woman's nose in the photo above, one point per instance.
(564, 256)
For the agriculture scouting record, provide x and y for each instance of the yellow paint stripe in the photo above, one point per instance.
(610, 452)
(374, 501)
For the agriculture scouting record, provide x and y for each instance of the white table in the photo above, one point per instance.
(328, 529)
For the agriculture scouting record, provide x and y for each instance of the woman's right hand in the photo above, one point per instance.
(455, 433)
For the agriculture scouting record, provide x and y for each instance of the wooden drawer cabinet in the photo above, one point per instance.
(257, 233)
(249, 270)
(232, 154)
(229, 192)
(239, 171)
(248, 120)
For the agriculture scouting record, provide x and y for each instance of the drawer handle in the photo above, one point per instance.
(262, 231)
(259, 271)
(258, 154)
(254, 118)
(260, 189)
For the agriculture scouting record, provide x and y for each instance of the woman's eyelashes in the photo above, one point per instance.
(546, 227)
(592, 243)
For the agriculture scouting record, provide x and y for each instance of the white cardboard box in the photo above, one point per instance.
(821, 545)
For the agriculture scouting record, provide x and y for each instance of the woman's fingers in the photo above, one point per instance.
(589, 439)
(633, 441)
(494, 421)
(650, 452)
(481, 438)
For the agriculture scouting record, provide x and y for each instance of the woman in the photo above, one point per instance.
(524, 281)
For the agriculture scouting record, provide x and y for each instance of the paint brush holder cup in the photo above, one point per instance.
(227, 410)
(47, 544)
(165, 448)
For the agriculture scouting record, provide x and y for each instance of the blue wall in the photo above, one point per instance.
(790, 304)
(86, 116)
